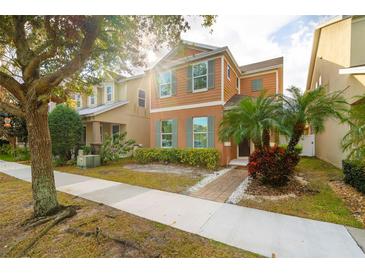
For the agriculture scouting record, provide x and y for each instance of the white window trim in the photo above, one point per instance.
(145, 99)
(165, 133)
(159, 87)
(229, 69)
(78, 98)
(193, 78)
(89, 98)
(201, 132)
(111, 129)
(106, 93)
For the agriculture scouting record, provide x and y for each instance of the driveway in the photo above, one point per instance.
(266, 233)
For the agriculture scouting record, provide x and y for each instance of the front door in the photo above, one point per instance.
(244, 148)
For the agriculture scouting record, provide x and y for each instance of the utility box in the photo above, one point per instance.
(88, 161)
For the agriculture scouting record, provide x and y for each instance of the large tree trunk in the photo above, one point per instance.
(294, 139)
(43, 185)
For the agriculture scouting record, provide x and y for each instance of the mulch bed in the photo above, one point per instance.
(353, 199)
(295, 187)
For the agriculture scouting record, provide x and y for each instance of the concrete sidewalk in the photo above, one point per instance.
(254, 230)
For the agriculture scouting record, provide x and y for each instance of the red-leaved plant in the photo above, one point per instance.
(272, 165)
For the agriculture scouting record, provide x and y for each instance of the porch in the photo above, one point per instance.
(95, 132)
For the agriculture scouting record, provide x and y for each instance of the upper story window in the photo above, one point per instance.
(78, 100)
(108, 93)
(92, 99)
(200, 132)
(165, 84)
(257, 85)
(229, 72)
(166, 133)
(141, 98)
(200, 77)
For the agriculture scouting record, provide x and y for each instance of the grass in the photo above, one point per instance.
(151, 238)
(323, 206)
(8, 158)
(115, 172)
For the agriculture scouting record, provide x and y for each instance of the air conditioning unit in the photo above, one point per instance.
(88, 161)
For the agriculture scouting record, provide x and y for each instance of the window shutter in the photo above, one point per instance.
(211, 134)
(173, 82)
(211, 73)
(158, 133)
(189, 79)
(157, 86)
(174, 133)
(189, 132)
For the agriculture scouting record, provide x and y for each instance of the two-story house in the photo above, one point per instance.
(338, 63)
(193, 85)
(117, 105)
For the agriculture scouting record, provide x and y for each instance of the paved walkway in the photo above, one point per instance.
(221, 189)
(250, 229)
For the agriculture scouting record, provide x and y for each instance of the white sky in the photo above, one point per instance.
(254, 38)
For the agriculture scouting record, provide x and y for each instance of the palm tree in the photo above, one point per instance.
(310, 108)
(251, 119)
(354, 140)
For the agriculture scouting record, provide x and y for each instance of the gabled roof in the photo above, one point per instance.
(234, 101)
(263, 65)
(87, 112)
(316, 37)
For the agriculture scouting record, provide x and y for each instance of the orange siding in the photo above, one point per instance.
(229, 84)
(183, 97)
(268, 80)
(186, 51)
(181, 116)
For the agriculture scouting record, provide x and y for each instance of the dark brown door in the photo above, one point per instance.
(244, 148)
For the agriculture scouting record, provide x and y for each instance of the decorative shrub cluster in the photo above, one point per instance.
(354, 174)
(116, 147)
(18, 153)
(273, 165)
(202, 157)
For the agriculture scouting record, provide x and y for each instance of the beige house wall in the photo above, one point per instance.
(335, 52)
(130, 117)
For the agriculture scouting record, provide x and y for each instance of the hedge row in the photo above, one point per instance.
(202, 157)
(354, 174)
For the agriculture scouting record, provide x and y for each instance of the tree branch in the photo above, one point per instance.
(91, 28)
(12, 85)
(20, 41)
(11, 109)
(33, 66)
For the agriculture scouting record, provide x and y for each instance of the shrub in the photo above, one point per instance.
(202, 157)
(86, 149)
(18, 153)
(5, 149)
(297, 149)
(272, 166)
(116, 147)
(354, 174)
(65, 127)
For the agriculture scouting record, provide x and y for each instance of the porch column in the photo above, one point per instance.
(96, 138)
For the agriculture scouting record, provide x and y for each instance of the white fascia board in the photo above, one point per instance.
(353, 70)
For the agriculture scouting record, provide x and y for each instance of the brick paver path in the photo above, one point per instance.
(220, 189)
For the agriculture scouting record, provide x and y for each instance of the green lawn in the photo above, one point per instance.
(324, 206)
(115, 172)
(151, 239)
(8, 158)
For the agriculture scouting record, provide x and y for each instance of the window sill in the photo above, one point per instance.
(200, 90)
(167, 96)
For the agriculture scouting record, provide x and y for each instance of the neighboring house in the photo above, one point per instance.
(117, 105)
(337, 62)
(193, 85)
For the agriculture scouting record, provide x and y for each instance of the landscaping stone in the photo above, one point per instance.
(239, 193)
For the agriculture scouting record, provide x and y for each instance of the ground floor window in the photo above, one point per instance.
(166, 133)
(200, 132)
(115, 130)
